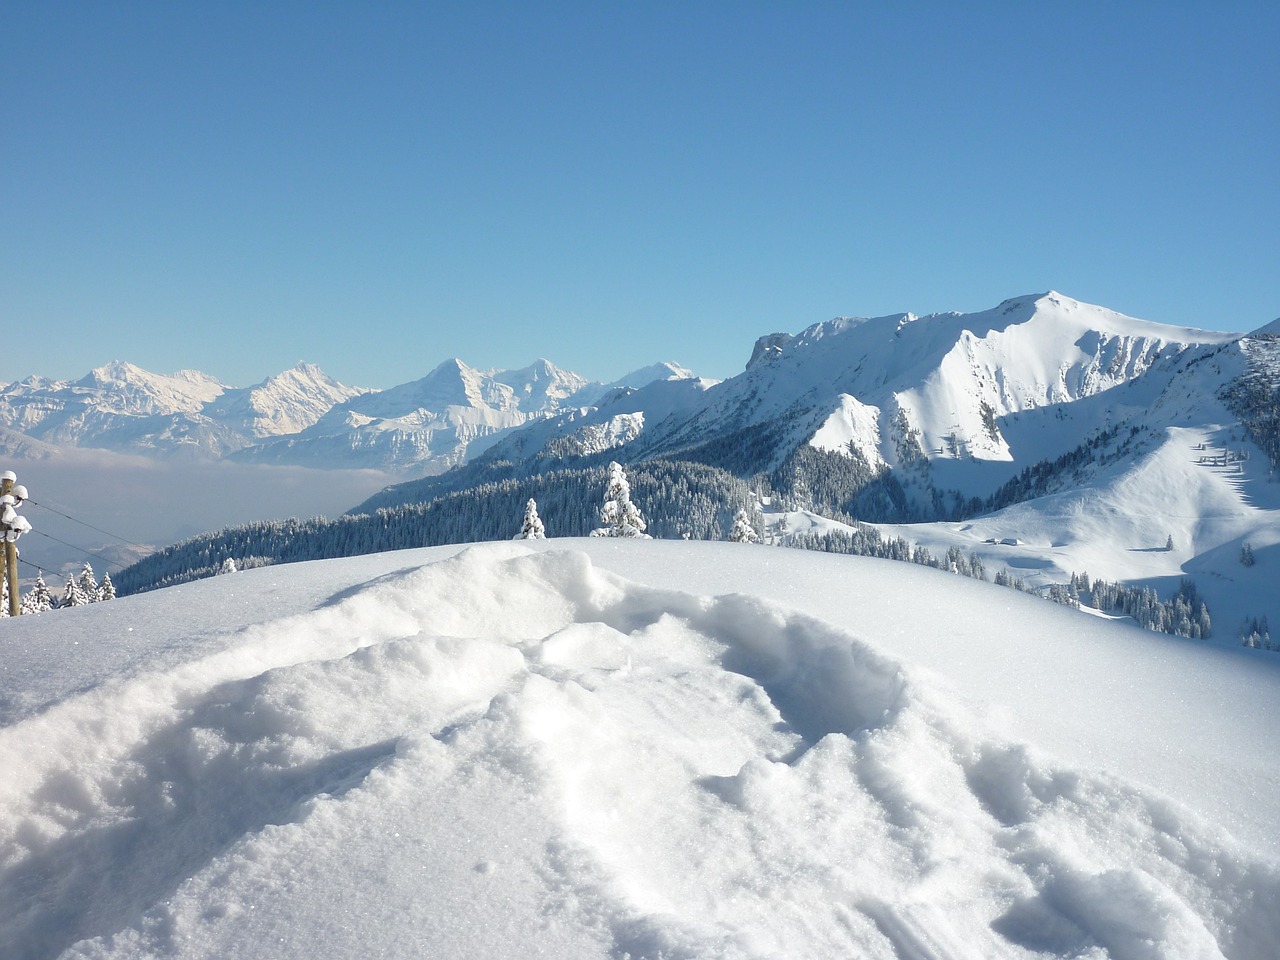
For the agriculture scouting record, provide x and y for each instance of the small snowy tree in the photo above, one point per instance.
(38, 598)
(106, 589)
(743, 531)
(619, 517)
(88, 584)
(532, 528)
(1168, 544)
(1246, 555)
(72, 594)
(228, 566)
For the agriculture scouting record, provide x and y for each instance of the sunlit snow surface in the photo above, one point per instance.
(603, 749)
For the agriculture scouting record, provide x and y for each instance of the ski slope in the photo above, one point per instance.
(628, 749)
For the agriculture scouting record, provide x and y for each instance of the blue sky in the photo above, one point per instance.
(237, 186)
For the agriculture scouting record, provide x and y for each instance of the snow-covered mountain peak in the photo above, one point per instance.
(861, 384)
(769, 348)
(540, 387)
(452, 383)
(115, 371)
(665, 370)
(304, 375)
(429, 423)
(288, 402)
(123, 387)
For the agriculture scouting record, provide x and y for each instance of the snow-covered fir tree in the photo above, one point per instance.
(88, 584)
(106, 589)
(532, 528)
(228, 566)
(1246, 555)
(73, 594)
(743, 531)
(38, 598)
(619, 517)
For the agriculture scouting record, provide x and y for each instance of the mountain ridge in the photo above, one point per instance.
(300, 416)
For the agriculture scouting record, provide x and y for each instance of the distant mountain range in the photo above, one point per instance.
(893, 418)
(301, 416)
(1046, 438)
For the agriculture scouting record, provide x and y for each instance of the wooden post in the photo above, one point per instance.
(11, 559)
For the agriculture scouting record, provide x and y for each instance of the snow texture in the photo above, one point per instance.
(511, 751)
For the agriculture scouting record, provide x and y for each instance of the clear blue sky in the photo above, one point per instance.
(376, 187)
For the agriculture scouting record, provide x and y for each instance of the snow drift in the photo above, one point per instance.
(509, 752)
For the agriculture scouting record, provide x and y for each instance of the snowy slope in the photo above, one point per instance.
(615, 419)
(507, 753)
(1181, 477)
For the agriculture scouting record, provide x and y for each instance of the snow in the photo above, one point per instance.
(1116, 525)
(628, 748)
(665, 370)
(853, 426)
(450, 415)
(957, 377)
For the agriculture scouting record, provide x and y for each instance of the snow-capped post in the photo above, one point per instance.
(12, 526)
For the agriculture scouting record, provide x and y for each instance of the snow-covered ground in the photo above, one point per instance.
(629, 749)
(1117, 527)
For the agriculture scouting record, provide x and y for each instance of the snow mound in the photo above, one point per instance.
(511, 753)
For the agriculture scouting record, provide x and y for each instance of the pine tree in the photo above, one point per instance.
(1246, 555)
(106, 589)
(88, 584)
(532, 528)
(38, 598)
(228, 566)
(743, 531)
(619, 517)
(73, 594)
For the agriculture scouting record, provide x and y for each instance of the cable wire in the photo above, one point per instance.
(87, 553)
(35, 566)
(114, 536)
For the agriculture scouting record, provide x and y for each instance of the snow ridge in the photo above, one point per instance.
(524, 749)
(950, 375)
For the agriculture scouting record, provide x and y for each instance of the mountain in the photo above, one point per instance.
(617, 418)
(123, 408)
(115, 406)
(908, 416)
(443, 419)
(287, 403)
(592, 749)
(427, 423)
(1088, 439)
(890, 389)
(301, 416)
(1093, 442)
